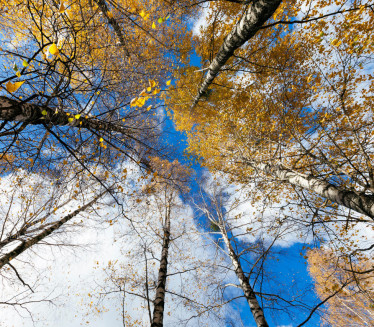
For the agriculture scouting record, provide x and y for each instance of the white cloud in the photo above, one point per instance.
(201, 21)
(69, 275)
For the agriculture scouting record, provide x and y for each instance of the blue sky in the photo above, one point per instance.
(288, 268)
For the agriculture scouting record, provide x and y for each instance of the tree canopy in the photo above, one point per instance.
(275, 102)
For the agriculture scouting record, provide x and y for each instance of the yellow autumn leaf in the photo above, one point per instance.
(101, 140)
(156, 91)
(140, 102)
(149, 89)
(62, 8)
(143, 93)
(336, 42)
(168, 82)
(109, 14)
(53, 49)
(133, 102)
(70, 120)
(77, 116)
(18, 74)
(13, 87)
(154, 25)
(152, 83)
(309, 79)
(149, 107)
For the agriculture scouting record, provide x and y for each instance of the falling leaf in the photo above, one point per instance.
(62, 8)
(53, 49)
(13, 87)
(154, 25)
(168, 82)
(109, 14)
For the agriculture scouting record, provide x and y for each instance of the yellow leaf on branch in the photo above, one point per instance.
(336, 42)
(143, 93)
(53, 49)
(152, 83)
(13, 87)
(62, 8)
(133, 102)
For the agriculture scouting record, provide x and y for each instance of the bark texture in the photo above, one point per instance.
(13, 110)
(159, 302)
(361, 203)
(249, 294)
(255, 16)
(104, 9)
(46, 232)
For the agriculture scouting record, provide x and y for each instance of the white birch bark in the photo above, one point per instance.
(6, 258)
(361, 203)
(249, 294)
(258, 12)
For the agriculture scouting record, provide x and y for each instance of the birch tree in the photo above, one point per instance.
(84, 78)
(37, 216)
(252, 238)
(164, 270)
(291, 107)
(218, 220)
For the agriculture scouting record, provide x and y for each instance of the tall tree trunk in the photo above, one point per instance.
(105, 10)
(258, 12)
(13, 110)
(249, 294)
(46, 232)
(159, 303)
(361, 203)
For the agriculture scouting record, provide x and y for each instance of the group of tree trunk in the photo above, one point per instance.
(282, 104)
